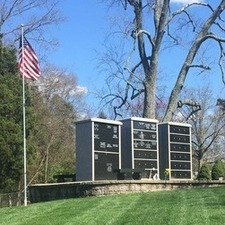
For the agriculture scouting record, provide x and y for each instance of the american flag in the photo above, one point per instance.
(28, 62)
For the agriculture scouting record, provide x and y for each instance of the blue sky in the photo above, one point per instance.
(79, 36)
(84, 31)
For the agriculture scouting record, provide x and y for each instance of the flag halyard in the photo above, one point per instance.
(28, 62)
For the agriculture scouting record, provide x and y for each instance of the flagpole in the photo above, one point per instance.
(24, 124)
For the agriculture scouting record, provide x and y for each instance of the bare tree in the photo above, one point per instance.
(208, 124)
(35, 15)
(58, 102)
(153, 27)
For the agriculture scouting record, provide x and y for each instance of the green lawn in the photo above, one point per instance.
(190, 206)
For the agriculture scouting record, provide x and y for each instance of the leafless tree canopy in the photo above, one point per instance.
(35, 15)
(154, 26)
(207, 126)
(58, 102)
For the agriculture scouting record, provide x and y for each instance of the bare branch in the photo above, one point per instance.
(199, 66)
(173, 38)
(222, 53)
(35, 15)
(194, 106)
(183, 10)
(220, 26)
(138, 92)
(214, 136)
(180, 11)
(148, 35)
(214, 37)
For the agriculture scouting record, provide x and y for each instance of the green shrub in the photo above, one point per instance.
(218, 170)
(204, 173)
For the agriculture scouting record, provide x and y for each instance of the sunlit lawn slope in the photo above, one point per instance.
(192, 206)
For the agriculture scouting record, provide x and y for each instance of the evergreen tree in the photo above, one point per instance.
(218, 170)
(11, 121)
(204, 173)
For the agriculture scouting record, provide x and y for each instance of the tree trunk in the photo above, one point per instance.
(149, 100)
(151, 69)
(200, 161)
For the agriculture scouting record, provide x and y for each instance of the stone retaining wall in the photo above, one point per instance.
(48, 192)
